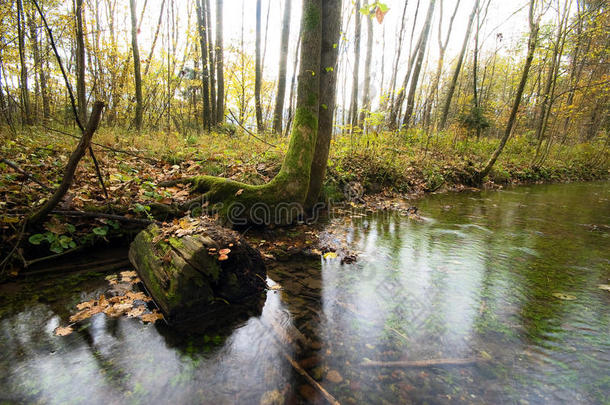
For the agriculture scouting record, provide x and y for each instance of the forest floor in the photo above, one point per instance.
(384, 167)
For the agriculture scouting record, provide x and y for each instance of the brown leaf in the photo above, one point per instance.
(152, 317)
(129, 274)
(379, 14)
(85, 305)
(241, 190)
(135, 312)
(63, 330)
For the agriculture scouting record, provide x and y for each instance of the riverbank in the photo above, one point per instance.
(377, 165)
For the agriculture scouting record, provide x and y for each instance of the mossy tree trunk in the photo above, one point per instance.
(283, 199)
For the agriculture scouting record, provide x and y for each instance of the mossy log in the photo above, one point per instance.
(187, 277)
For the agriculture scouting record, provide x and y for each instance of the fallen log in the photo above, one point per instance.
(189, 272)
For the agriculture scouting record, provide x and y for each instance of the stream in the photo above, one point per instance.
(493, 297)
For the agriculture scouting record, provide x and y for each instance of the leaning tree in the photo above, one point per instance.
(296, 187)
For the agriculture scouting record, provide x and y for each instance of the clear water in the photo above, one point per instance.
(474, 280)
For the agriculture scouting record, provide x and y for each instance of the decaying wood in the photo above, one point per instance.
(422, 363)
(75, 158)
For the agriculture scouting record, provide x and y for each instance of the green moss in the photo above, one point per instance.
(311, 19)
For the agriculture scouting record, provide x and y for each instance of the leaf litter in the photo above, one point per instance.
(132, 304)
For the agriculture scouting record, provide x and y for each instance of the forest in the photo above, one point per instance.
(201, 170)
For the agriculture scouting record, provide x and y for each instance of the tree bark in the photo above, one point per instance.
(38, 66)
(392, 86)
(220, 81)
(366, 96)
(258, 73)
(136, 64)
(26, 112)
(152, 47)
(418, 64)
(458, 68)
(208, 32)
(354, 99)
(81, 94)
(442, 47)
(205, 83)
(531, 47)
(281, 83)
(281, 200)
(331, 25)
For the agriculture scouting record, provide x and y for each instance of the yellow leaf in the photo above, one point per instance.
(330, 255)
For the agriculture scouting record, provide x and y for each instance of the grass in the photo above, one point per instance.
(404, 163)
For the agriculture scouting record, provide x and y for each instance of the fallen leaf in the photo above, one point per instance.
(137, 311)
(152, 317)
(330, 255)
(85, 305)
(129, 274)
(241, 190)
(604, 287)
(63, 330)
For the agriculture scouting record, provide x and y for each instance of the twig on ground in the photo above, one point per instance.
(26, 174)
(87, 214)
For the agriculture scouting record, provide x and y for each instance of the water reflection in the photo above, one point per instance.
(476, 279)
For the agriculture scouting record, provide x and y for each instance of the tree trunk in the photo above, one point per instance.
(220, 81)
(418, 64)
(392, 86)
(281, 200)
(38, 66)
(366, 96)
(26, 113)
(442, 47)
(531, 46)
(258, 73)
(399, 98)
(354, 100)
(152, 47)
(331, 25)
(281, 83)
(208, 32)
(81, 94)
(458, 68)
(205, 83)
(136, 64)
